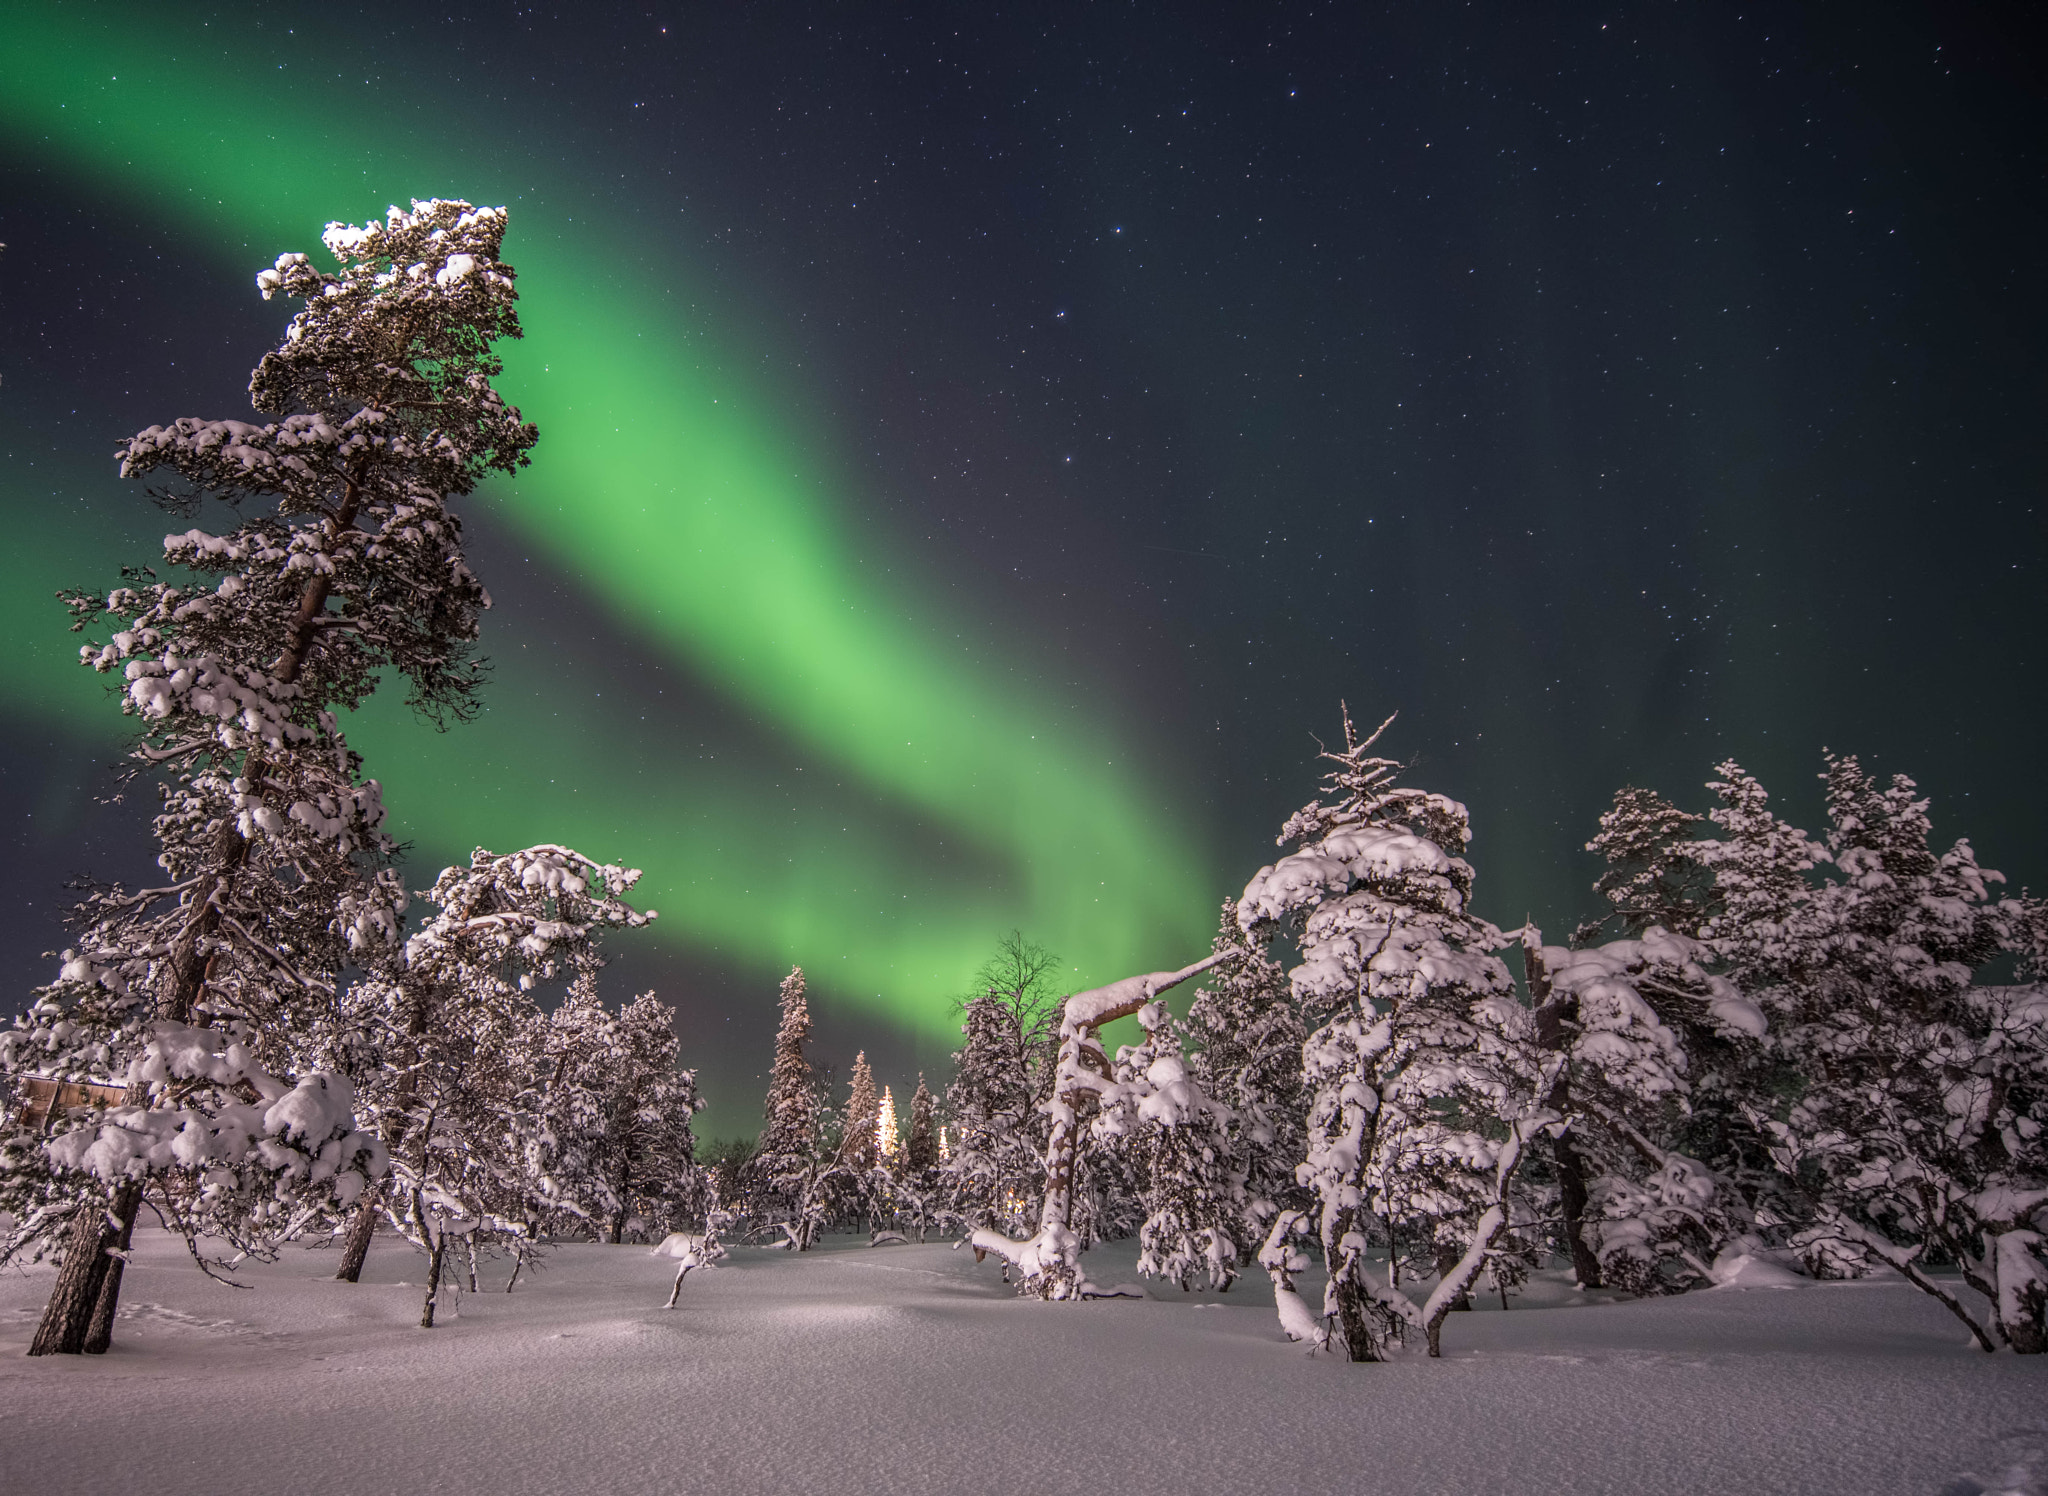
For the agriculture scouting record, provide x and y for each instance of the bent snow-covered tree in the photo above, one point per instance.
(344, 563)
(1424, 1085)
(1049, 1261)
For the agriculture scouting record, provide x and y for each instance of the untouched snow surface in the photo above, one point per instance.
(910, 1369)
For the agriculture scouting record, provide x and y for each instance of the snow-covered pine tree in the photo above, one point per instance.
(1247, 1035)
(1651, 1043)
(921, 1148)
(1191, 1188)
(1654, 875)
(918, 1186)
(1422, 1077)
(345, 562)
(995, 1168)
(857, 1141)
(458, 1037)
(888, 1134)
(796, 1164)
(650, 1152)
(1698, 1172)
(1921, 1125)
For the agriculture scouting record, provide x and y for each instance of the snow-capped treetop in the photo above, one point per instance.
(529, 912)
(858, 1138)
(405, 328)
(349, 561)
(1761, 922)
(921, 1148)
(1653, 876)
(1364, 793)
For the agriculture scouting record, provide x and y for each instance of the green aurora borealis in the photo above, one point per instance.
(980, 448)
(953, 796)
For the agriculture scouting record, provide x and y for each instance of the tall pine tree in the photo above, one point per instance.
(344, 563)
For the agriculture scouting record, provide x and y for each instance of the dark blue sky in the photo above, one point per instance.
(1609, 390)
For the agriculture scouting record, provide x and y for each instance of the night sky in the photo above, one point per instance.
(978, 452)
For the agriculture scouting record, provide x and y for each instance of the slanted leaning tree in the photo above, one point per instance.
(344, 563)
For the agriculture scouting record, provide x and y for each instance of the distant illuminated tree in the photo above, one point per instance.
(857, 1147)
(888, 1141)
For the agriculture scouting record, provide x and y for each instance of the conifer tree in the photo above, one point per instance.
(857, 1150)
(1247, 1035)
(1423, 1095)
(797, 1162)
(457, 1039)
(888, 1139)
(650, 1152)
(921, 1149)
(996, 1164)
(345, 562)
(1923, 1126)
(1191, 1188)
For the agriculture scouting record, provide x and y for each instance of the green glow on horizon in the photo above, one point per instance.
(684, 509)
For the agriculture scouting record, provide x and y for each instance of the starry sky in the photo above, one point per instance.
(979, 451)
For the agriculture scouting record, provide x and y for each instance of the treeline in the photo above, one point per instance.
(1776, 1052)
(1823, 1052)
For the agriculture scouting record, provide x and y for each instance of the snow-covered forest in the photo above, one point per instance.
(1778, 1057)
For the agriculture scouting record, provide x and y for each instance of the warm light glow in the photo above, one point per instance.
(887, 1143)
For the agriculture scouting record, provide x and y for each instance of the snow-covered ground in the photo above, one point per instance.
(912, 1369)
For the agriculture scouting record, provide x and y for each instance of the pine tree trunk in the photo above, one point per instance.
(1572, 1193)
(1354, 1323)
(68, 1314)
(355, 1244)
(433, 1280)
(99, 1333)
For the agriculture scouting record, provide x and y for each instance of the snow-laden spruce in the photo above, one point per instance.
(1426, 1087)
(795, 1175)
(1900, 1101)
(343, 563)
(1177, 1139)
(1652, 1044)
(1920, 1130)
(1247, 1035)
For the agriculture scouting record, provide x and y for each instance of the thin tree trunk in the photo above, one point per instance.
(355, 1243)
(73, 1299)
(1354, 1324)
(1573, 1195)
(99, 1334)
(1553, 1014)
(433, 1281)
(469, 1244)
